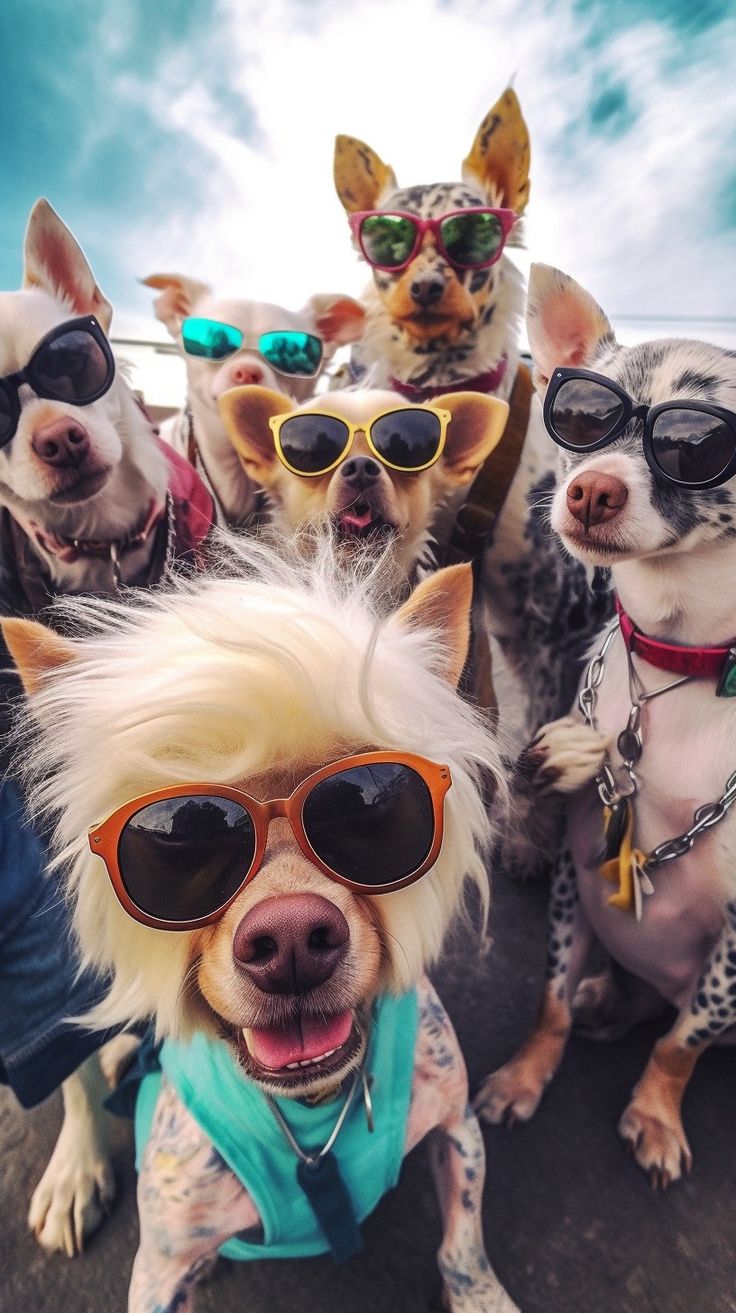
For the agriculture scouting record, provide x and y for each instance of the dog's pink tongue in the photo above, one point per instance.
(309, 1037)
(352, 520)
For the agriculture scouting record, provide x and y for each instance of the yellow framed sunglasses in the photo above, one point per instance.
(408, 438)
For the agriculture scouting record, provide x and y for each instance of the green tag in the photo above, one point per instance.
(727, 682)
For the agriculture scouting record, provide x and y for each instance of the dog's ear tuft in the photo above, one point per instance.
(500, 156)
(180, 295)
(338, 319)
(35, 649)
(54, 261)
(361, 178)
(442, 602)
(476, 427)
(245, 412)
(566, 327)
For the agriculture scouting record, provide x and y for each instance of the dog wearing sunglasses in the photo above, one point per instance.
(648, 761)
(89, 501)
(266, 851)
(443, 313)
(371, 463)
(230, 343)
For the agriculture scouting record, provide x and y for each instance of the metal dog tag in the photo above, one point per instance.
(727, 682)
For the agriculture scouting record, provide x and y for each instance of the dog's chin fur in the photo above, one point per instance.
(260, 673)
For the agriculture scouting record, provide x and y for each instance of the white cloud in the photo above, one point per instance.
(631, 216)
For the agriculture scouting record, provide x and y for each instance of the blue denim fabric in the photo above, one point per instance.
(40, 981)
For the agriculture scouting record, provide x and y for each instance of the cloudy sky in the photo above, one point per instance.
(196, 136)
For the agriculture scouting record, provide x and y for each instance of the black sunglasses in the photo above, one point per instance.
(689, 443)
(72, 363)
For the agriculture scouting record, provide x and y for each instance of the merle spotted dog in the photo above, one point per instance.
(648, 487)
(431, 327)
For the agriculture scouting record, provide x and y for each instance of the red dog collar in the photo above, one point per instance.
(704, 662)
(487, 382)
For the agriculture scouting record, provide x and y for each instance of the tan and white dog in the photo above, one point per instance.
(363, 498)
(286, 674)
(196, 432)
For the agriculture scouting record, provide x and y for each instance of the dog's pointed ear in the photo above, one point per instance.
(564, 324)
(338, 319)
(500, 155)
(54, 261)
(35, 649)
(245, 412)
(361, 178)
(179, 297)
(476, 426)
(442, 602)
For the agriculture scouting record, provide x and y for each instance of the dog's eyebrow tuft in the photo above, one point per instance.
(691, 381)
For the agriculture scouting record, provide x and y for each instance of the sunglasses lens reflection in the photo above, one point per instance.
(691, 446)
(311, 444)
(408, 438)
(7, 415)
(471, 240)
(210, 339)
(182, 858)
(73, 367)
(387, 239)
(373, 824)
(292, 353)
(584, 412)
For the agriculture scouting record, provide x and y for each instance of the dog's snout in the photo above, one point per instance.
(63, 443)
(427, 287)
(292, 943)
(594, 498)
(246, 371)
(360, 471)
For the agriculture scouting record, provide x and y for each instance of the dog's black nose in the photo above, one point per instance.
(360, 472)
(427, 288)
(291, 943)
(62, 443)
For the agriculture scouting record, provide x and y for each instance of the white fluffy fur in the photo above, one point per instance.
(269, 661)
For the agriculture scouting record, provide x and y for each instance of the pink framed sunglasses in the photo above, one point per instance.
(469, 239)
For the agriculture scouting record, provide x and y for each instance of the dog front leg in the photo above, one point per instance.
(513, 1092)
(189, 1203)
(78, 1186)
(440, 1109)
(652, 1125)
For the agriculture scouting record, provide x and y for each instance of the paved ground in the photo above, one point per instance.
(571, 1223)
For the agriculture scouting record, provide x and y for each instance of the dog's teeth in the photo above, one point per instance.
(292, 1066)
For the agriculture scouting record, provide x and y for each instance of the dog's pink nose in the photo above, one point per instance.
(594, 498)
(246, 371)
(292, 943)
(62, 443)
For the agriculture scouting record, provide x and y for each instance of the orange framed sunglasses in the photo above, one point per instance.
(406, 438)
(179, 856)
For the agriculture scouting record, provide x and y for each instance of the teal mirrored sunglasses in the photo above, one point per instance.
(287, 351)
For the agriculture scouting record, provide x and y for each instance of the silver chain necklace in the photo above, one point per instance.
(630, 747)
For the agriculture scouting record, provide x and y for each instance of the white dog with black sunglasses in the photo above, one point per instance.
(89, 501)
(649, 436)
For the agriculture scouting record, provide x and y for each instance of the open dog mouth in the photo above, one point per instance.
(300, 1052)
(361, 520)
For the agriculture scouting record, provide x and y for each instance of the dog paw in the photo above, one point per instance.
(509, 1095)
(73, 1196)
(658, 1144)
(116, 1056)
(598, 1009)
(563, 757)
(482, 1295)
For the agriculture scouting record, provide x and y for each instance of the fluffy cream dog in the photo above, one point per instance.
(247, 686)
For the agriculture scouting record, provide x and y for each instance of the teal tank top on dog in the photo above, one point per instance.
(236, 1116)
